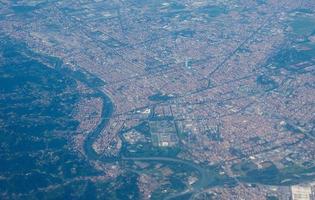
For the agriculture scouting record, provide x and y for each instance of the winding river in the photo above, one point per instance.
(107, 111)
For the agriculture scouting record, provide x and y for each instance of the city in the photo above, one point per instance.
(215, 97)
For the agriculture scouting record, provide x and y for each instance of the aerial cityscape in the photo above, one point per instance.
(157, 99)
